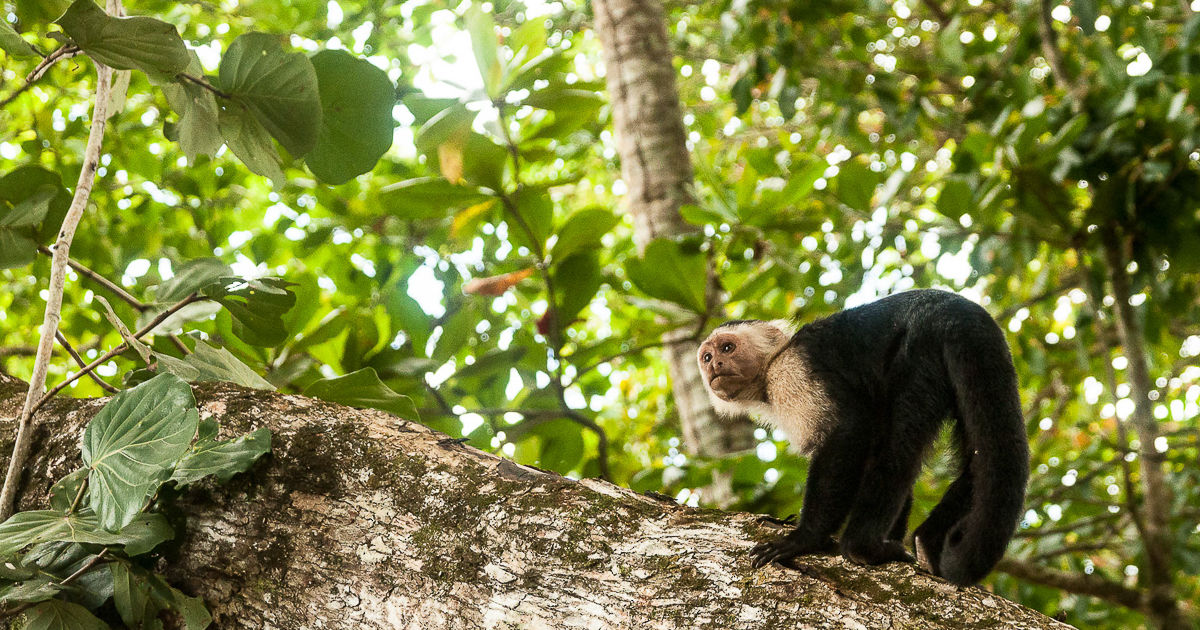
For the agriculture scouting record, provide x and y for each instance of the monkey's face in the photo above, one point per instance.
(733, 359)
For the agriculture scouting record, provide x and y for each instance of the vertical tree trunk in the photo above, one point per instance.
(1162, 606)
(656, 168)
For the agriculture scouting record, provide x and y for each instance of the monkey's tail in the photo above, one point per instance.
(995, 454)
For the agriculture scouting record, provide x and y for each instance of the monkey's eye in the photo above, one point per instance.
(727, 347)
(707, 357)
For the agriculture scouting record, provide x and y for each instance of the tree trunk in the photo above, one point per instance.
(361, 520)
(657, 171)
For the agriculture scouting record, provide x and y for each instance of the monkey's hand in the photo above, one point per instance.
(782, 550)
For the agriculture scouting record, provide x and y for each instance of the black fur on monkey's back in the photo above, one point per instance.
(894, 371)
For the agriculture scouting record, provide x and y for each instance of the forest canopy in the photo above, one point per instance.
(420, 207)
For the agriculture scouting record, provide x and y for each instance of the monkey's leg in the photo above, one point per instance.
(900, 527)
(930, 536)
(834, 476)
(886, 488)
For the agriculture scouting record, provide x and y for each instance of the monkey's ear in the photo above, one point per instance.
(784, 326)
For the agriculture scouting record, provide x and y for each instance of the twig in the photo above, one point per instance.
(17, 351)
(1054, 55)
(111, 286)
(120, 348)
(87, 566)
(78, 359)
(58, 273)
(65, 51)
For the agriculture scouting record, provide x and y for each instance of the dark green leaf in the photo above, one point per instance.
(278, 88)
(32, 589)
(198, 129)
(578, 279)
(257, 307)
(856, 184)
(190, 277)
(356, 121)
(955, 198)
(62, 559)
(669, 271)
(249, 141)
(131, 445)
(12, 43)
(63, 492)
(427, 197)
(536, 219)
(222, 458)
(583, 230)
(140, 535)
(363, 389)
(131, 595)
(59, 615)
(134, 43)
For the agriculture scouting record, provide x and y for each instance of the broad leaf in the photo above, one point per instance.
(222, 458)
(356, 120)
(578, 278)
(454, 121)
(257, 307)
(134, 43)
(61, 559)
(250, 142)
(139, 596)
(59, 615)
(363, 389)
(278, 88)
(198, 130)
(131, 445)
(207, 363)
(190, 277)
(426, 197)
(583, 230)
(36, 589)
(669, 271)
(39, 526)
(64, 491)
(33, 203)
(12, 43)
(486, 48)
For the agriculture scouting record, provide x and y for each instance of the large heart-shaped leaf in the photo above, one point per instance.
(356, 121)
(56, 614)
(131, 445)
(278, 88)
(133, 43)
(363, 389)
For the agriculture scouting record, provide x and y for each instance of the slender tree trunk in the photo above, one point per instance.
(358, 519)
(657, 171)
(1162, 605)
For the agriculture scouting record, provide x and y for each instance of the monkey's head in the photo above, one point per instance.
(733, 361)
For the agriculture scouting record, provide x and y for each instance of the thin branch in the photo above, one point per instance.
(122, 347)
(17, 351)
(1054, 55)
(79, 360)
(109, 285)
(1080, 584)
(58, 273)
(65, 51)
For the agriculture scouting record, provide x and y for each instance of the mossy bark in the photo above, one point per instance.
(358, 519)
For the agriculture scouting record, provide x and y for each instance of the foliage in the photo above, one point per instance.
(460, 255)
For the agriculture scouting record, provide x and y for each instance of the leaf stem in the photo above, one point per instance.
(109, 285)
(204, 84)
(62, 341)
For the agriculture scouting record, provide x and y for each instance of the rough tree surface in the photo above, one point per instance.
(361, 520)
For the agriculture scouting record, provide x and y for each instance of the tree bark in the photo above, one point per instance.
(358, 519)
(656, 168)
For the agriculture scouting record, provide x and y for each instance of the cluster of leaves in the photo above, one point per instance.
(105, 518)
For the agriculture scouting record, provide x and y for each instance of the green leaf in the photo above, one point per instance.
(222, 458)
(451, 122)
(61, 559)
(34, 589)
(583, 230)
(33, 203)
(12, 43)
(207, 364)
(856, 184)
(257, 307)
(363, 389)
(63, 492)
(133, 43)
(427, 197)
(491, 364)
(356, 120)
(670, 271)
(59, 615)
(140, 535)
(249, 141)
(484, 44)
(131, 595)
(578, 279)
(131, 445)
(278, 88)
(484, 161)
(198, 129)
(536, 213)
(563, 98)
(955, 198)
(189, 278)
(561, 445)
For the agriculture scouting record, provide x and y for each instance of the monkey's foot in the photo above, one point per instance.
(875, 552)
(783, 550)
(787, 520)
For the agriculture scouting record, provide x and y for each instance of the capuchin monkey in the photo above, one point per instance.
(864, 393)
